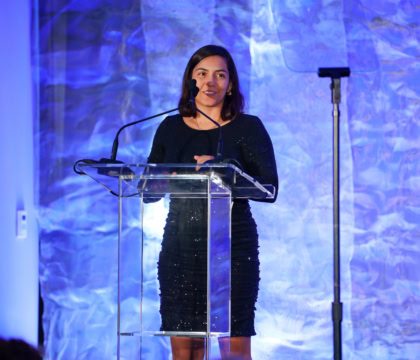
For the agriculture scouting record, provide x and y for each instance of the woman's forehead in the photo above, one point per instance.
(214, 62)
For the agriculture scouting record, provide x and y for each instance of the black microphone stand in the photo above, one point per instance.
(193, 93)
(219, 151)
(337, 307)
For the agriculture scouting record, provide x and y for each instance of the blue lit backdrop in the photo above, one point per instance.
(104, 63)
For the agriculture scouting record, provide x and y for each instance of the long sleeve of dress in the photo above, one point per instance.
(157, 153)
(258, 155)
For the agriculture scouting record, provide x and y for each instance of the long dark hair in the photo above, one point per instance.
(234, 103)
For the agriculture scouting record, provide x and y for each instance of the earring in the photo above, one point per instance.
(229, 93)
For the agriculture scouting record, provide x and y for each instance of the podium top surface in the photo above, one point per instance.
(177, 180)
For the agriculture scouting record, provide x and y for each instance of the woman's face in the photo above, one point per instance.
(213, 81)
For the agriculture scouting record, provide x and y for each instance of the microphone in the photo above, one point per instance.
(113, 158)
(192, 86)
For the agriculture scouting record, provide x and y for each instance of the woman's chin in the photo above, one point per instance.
(210, 103)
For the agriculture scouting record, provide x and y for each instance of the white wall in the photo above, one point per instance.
(18, 257)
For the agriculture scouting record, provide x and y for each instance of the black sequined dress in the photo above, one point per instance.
(182, 260)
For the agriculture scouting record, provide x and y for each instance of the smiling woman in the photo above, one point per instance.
(208, 62)
(213, 82)
(187, 138)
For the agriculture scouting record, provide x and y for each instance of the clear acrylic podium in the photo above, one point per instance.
(144, 193)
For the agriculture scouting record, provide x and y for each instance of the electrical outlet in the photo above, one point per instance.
(22, 224)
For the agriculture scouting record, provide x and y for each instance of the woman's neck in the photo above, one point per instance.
(214, 112)
(200, 122)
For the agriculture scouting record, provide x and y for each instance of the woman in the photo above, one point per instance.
(191, 138)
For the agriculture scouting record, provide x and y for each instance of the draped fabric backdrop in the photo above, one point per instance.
(104, 63)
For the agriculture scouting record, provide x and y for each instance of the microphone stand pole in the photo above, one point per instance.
(219, 151)
(192, 86)
(337, 307)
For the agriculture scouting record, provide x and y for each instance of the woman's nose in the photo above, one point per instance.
(211, 80)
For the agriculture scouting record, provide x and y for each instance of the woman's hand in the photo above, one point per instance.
(201, 159)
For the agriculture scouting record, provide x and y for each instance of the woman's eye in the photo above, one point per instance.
(201, 73)
(221, 75)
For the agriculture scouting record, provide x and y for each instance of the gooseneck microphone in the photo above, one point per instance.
(113, 158)
(115, 144)
(192, 86)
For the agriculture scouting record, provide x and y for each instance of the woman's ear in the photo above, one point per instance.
(229, 89)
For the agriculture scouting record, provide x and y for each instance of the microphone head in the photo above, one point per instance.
(192, 86)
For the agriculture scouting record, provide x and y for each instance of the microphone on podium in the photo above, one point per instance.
(113, 157)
